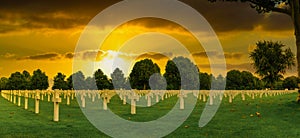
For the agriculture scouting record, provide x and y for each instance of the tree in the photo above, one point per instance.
(249, 82)
(27, 78)
(237, 80)
(101, 80)
(290, 82)
(118, 79)
(287, 7)
(233, 80)
(59, 82)
(91, 83)
(205, 81)
(70, 83)
(16, 81)
(76, 81)
(39, 80)
(172, 76)
(157, 82)
(271, 61)
(141, 73)
(3, 83)
(218, 83)
(182, 73)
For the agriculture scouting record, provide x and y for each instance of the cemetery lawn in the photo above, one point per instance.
(280, 117)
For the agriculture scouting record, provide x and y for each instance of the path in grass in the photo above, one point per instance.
(280, 117)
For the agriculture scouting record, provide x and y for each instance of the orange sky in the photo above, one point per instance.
(45, 38)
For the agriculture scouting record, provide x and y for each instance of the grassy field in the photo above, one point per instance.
(280, 117)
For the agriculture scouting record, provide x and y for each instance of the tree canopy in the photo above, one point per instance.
(102, 81)
(271, 60)
(118, 79)
(39, 80)
(141, 73)
(59, 82)
(181, 73)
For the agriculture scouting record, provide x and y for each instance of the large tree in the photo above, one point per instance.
(91, 83)
(27, 78)
(237, 80)
(233, 80)
(16, 81)
(290, 82)
(218, 82)
(59, 82)
(287, 7)
(118, 79)
(102, 81)
(172, 76)
(76, 81)
(205, 81)
(141, 73)
(3, 83)
(271, 60)
(181, 73)
(39, 80)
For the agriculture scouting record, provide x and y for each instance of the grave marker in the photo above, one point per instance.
(56, 101)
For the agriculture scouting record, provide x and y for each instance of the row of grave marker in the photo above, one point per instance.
(133, 95)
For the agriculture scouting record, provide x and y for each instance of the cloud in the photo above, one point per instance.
(46, 56)
(9, 55)
(233, 55)
(155, 56)
(69, 55)
(237, 16)
(55, 14)
(216, 54)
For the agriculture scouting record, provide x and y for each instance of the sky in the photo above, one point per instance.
(45, 34)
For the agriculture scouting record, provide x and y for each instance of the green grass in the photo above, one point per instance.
(280, 117)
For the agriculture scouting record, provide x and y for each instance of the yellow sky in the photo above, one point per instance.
(51, 48)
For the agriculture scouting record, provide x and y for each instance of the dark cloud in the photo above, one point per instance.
(216, 54)
(56, 14)
(46, 56)
(204, 54)
(69, 55)
(92, 55)
(233, 55)
(229, 16)
(155, 56)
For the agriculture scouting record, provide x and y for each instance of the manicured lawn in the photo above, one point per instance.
(280, 117)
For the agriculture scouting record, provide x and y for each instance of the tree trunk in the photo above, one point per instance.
(298, 55)
(296, 20)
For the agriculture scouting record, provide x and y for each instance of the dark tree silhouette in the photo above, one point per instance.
(39, 80)
(141, 73)
(59, 82)
(118, 79)
(181, 73)
(290, 82)
(16, 81)
(76, 81)
(102, 81)
(271, 61)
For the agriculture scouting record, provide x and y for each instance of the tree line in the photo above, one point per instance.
(179, 73)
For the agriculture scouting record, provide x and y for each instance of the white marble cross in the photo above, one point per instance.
(26, 100)
(56, 100)
(181, 96)
(148, 97)
(133, 97)
(37, 102)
